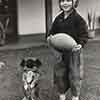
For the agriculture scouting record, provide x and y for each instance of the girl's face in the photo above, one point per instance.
(66, 5)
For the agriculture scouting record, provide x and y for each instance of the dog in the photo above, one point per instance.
(30, 77)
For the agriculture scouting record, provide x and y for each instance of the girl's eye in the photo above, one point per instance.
(66, 0)
(61, 0)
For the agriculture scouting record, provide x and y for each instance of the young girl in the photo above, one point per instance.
(71, 23)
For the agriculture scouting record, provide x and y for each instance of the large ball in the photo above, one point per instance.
(62, 41)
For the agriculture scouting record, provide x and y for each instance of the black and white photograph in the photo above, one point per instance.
(49, 50)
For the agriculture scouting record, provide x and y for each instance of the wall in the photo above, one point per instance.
(83, 8)
(31, 16)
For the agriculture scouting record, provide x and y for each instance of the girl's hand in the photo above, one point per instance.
(49, 38)
(77, 47)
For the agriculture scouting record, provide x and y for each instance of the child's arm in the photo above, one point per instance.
(82, 33)
(54, 28)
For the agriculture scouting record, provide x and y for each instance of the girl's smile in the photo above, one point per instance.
(66, 5)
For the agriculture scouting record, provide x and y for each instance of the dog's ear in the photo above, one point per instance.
(38, 62)
(22, 64)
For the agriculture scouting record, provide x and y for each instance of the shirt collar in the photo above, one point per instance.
(70, 15)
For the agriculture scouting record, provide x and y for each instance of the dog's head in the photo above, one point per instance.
(30, 62)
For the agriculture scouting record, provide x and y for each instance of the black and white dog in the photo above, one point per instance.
(30, 77)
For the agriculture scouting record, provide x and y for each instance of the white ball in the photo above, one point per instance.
(62, 41)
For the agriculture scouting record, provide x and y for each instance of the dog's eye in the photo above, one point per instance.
(38, 62)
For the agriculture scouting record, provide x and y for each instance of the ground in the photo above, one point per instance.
(10, 75)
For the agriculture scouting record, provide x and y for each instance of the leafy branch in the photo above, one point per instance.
(4, 26)
(91, 20)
